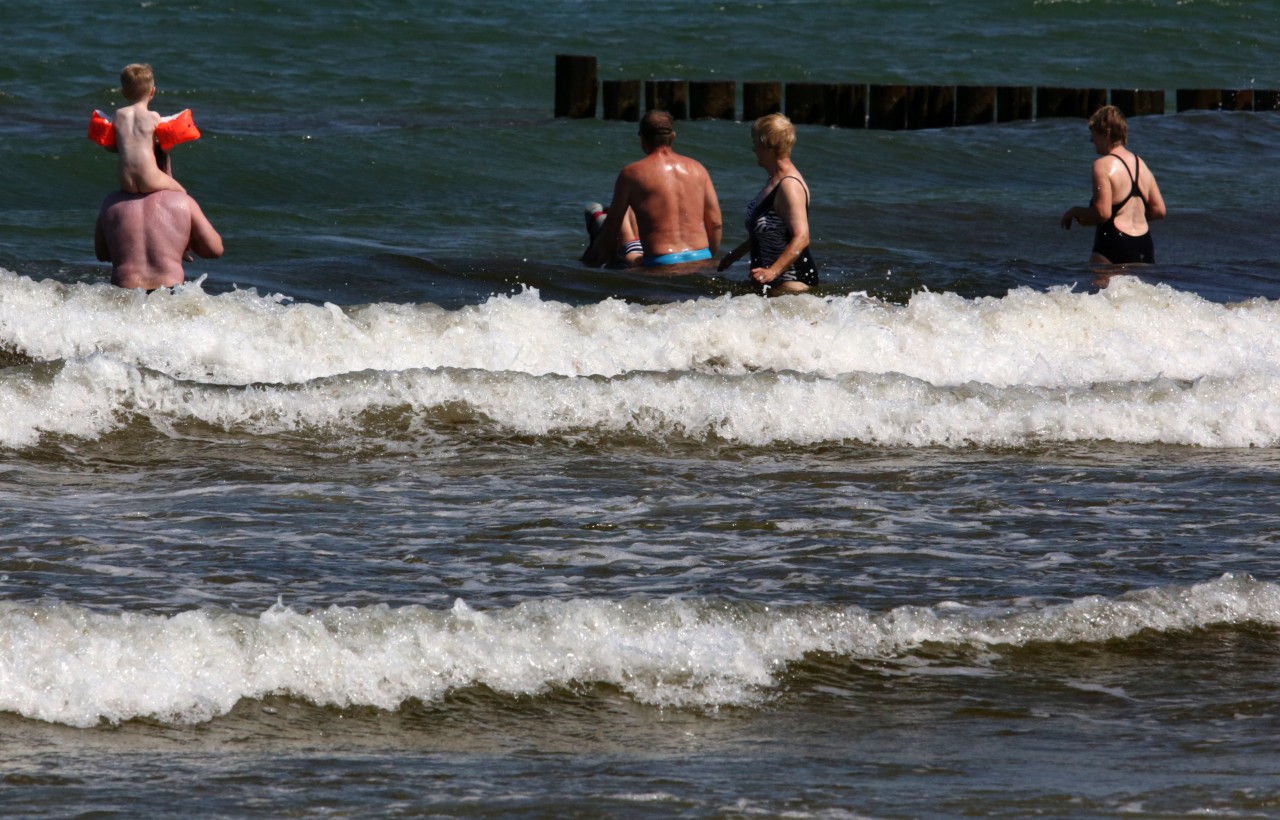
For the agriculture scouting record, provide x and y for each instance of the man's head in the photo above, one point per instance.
(137, 82)
(1109, 121)
(657, 130)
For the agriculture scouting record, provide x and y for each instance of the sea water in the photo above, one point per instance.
(397, 510)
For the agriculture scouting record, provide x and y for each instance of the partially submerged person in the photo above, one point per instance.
(146, 236)
(135, 135)
(1125, 196)
(665, 202)
(628, 250)
(778, 217)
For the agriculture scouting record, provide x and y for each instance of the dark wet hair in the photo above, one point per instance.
(1110, 120)
(657, 128)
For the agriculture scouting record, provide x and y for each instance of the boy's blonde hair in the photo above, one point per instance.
(775, 132)
(137, 81)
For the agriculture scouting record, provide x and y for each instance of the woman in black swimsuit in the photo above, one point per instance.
(1125, 196)
(778, 218)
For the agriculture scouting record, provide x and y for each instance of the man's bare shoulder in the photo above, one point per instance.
(658, 165)
(685, 163)
(117, 197)
(155, 199)
(686, 158)
(169, 197)
(638, 167)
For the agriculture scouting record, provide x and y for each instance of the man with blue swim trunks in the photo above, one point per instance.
(665, 201)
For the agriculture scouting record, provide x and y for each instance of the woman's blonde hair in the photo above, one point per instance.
(775, 132)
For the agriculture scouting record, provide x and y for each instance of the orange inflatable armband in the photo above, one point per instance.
(170, 131)
(101, 130)
(176, 129)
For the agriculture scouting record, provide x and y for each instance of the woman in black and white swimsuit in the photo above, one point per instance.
(778, 217)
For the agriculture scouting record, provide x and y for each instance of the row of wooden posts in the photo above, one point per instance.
(849, 105)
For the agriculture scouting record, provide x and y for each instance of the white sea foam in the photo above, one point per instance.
(69, 665)
(1130, 332)
(1136, 363)
(93, 396)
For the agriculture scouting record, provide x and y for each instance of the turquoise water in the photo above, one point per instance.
(397, 510)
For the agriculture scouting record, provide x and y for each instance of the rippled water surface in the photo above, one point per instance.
(396, 510)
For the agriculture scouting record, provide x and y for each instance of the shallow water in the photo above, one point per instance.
(396, 510)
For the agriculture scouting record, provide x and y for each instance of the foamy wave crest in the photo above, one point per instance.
(64, 664)
(1131, 332)
(91, 397)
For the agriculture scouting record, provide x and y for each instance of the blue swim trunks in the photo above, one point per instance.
(676, 258)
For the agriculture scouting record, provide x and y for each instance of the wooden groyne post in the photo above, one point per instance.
(671, 96)
(760, 99)
(621, 99)
(1138, 102)
(575, 86)
(712, 99)
(1215, 99)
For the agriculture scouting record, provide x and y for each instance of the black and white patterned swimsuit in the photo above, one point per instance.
(770, 236)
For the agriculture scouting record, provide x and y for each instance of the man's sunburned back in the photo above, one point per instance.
(147, 235)
(669, 199)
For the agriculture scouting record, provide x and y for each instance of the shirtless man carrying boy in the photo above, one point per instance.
(135, 126)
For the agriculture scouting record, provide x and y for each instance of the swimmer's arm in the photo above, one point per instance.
(712, 220)
(205, 241)
(1085, 216)
(1155, 202)
(1099, 209)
